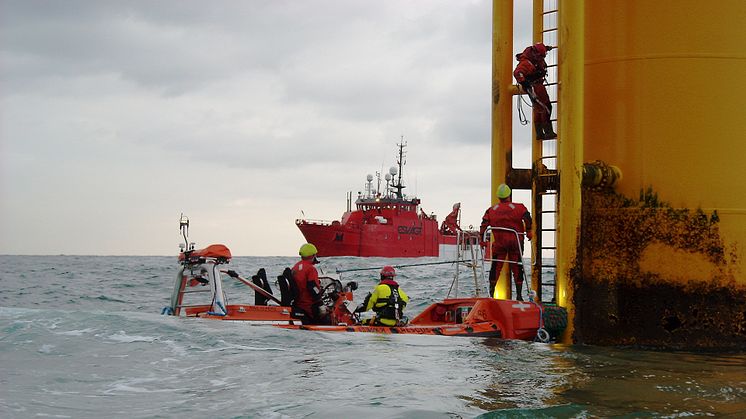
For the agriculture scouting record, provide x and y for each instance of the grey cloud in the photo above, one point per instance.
(272, 101)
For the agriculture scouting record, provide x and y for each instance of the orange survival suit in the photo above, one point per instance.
(530, 73)
(506, 246)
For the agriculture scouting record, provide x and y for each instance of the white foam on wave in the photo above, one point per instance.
(175, 348)
(125, 338)
(46, 349)
(79, 332)
(125, 388)
(142, 385)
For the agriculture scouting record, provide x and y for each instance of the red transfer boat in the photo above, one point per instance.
(198, 292)
(385, 223)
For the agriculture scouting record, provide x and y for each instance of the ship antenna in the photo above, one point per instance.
(184, 227)
(400, 162)
(378, 176)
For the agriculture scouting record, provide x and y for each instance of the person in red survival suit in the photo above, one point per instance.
(308, 301)
(450, 224)
(506, 246)
(530, 73)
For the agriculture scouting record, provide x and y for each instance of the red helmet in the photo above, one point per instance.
(540, 49)
(388, 272)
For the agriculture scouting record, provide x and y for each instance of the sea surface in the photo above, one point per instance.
(83, 337)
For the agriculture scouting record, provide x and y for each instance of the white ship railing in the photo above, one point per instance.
(315, 222)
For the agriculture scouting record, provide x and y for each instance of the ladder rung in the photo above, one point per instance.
(552, 65)
(549, 11)
(549, 248)
(549, 30)
(548, 229)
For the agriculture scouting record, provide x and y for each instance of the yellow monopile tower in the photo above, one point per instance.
(652, 90)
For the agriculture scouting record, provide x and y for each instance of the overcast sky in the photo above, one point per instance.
(117, 116)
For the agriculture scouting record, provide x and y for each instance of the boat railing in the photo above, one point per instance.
(488, 254)
(315, 222)
(208, 270)
(468, 255)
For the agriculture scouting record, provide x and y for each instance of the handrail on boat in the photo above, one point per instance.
(486, 239)
(315, 222)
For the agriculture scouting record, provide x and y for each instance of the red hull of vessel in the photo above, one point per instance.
(413, 239)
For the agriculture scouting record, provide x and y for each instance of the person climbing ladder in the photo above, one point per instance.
(530, 73)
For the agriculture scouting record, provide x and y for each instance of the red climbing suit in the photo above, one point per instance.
(306, 278)
(530, 73)
(506, 246)
(450, 224)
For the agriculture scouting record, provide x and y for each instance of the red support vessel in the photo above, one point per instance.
(385, 224)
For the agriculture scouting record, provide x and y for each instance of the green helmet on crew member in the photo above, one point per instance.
(503, 191)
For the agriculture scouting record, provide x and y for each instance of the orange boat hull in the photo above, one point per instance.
(471, 317)
(485, 317)
(245, 312)
(475, 330)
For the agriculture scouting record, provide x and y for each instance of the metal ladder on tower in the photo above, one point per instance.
(546, 179)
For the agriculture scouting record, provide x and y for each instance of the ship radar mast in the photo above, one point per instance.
(400, 162)
(369, 185)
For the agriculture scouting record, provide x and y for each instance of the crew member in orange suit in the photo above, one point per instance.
(450, 224)
(307, 304)
(530, 73)
(506, 246)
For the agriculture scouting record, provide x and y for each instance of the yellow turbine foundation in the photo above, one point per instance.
(653, 88)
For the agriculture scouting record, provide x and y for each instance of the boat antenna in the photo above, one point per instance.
(369, 185)
(400, 162)
(184, 228)
(378, 176)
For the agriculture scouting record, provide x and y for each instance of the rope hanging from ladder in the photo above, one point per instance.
(521, 114)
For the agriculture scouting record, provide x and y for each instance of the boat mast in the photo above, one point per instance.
(400, 161)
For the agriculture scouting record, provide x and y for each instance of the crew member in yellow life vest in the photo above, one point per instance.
(387, 300)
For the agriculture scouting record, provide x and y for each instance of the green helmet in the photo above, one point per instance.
(307, 250)
(503, 191)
